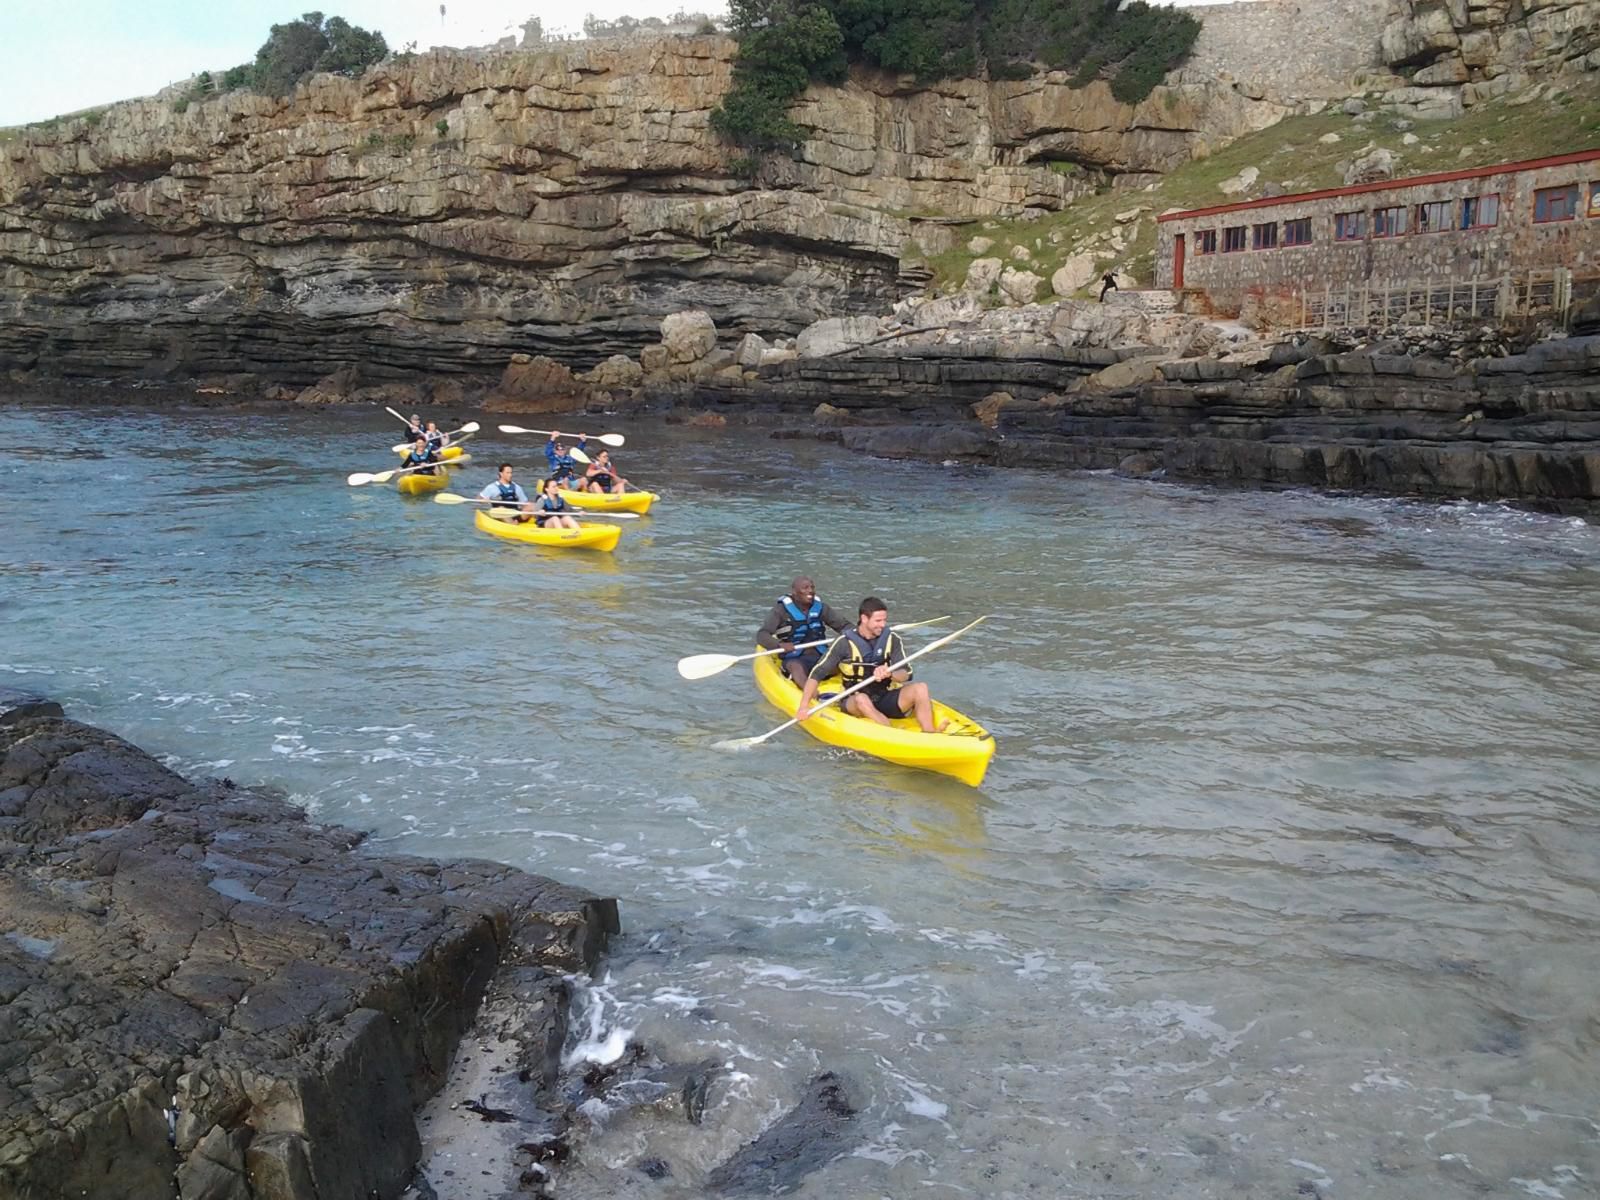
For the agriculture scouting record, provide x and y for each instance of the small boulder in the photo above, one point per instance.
(835, 335)
(982, 274)
(988, 409)
(751, 347)
(980, 245)
(688, 336)
(1019, 287)
(1077, 272)
(1241, 182)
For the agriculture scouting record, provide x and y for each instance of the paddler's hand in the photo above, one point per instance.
(880, 673)
(801, 713)
(786, 647)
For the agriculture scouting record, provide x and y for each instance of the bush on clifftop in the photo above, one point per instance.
(305, 47)
(786, 44)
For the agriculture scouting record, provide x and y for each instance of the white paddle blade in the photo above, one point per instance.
(738, 743)
(470, 427)
(449, 498)
(357, 478)
(516, 429)
(612, 439)
(384, 476)
(579, 455)
(402, 447)
(703, 666)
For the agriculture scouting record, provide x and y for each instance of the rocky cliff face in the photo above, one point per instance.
(441, 214)
(1456, 53)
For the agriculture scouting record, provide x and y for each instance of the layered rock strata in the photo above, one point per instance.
(204, 995)
(440, 214)
(1522, 428)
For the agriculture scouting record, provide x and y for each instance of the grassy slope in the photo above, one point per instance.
(1290, 155)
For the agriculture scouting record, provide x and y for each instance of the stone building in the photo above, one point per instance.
(1475, 228)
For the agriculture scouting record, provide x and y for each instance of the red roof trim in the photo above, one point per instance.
(1359, 189)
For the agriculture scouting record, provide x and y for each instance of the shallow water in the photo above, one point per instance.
(1283, 881)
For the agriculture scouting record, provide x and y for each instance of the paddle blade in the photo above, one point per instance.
(357, 478)
(579, 455)
(703, 666)
(384, 476)
(611, 439)
(516, 429)
(450, 498)
(470, 427)
(402, 447)
(738, 743)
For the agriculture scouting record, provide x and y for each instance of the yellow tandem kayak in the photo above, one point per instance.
(418, 484)
(586, 537)
(962, 751)
(634, 502)
(446, 454)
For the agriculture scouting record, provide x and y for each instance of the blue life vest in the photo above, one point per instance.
(557, 504)
(508, 492)
(415, 460)
(864, 657)
(804, 625)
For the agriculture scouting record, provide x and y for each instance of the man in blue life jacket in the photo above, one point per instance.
(866, 653)
(503, 491)
(796, 619)
(563, 467)
(422, 456)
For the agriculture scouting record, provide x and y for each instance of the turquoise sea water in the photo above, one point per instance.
(1284, 876)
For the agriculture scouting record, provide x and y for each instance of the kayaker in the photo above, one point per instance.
(435, 437)
(421, 454)
(503, 491)
(866, 652)
(562, 465)
(795, 619)
(550, 502)
(415, 429)
(602, 476)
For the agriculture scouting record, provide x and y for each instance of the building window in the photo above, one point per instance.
(1349, 227)
(1297, 233)
(1480, 212)
(1265, 237)
(1388, 222)
(1233, 239)
(1433, 217)
(1205, 241)
(1594, 199)
(1555, 204)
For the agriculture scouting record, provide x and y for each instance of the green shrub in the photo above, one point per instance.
(296, 49)
(441, 127)
(181, 104)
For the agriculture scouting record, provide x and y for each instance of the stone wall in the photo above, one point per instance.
(1265, 47)
(1515, 245)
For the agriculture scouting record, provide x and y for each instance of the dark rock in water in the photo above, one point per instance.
(199, 985)
(655, 1168)
(1140, 466)
(812, 1134)
(642, 1081)
(920, 441)
(16, 705)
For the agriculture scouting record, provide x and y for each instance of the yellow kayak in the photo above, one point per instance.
(586, 537)
(962, 751)
(634, 502)
(447, 453)
(418, 484)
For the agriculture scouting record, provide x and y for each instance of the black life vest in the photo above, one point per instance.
(435, 440)
(863, 657)
(805, 625)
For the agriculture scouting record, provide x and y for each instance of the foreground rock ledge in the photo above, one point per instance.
(202, 994)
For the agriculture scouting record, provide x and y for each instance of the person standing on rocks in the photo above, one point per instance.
(1108, 283)
(563, 467)
(795, 619)
(866, 653)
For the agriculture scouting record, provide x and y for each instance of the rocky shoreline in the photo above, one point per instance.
(205, 995)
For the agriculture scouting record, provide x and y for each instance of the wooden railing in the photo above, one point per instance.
(1432, 301)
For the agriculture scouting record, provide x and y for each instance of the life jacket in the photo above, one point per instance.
(435, 440)
(414, 460)
(863, 657)
(556, 504)
(562, 466)
(805, 625)
(508, 492)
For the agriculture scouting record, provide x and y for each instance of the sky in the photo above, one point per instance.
(57, 56)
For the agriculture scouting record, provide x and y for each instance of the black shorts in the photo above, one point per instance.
(887, 702)
(605, 481)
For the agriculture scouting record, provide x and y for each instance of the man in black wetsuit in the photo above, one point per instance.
(866, 653)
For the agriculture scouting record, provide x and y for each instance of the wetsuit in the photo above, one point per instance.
(788, 622)
(853, 659)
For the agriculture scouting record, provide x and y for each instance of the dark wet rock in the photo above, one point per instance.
(641, 1081)
(920, 441)
(1140, 466)
(16, 705)
(654, 1168)
(182, 956)
(809, 1136)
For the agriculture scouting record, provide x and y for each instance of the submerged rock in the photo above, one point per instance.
(812, 1134)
